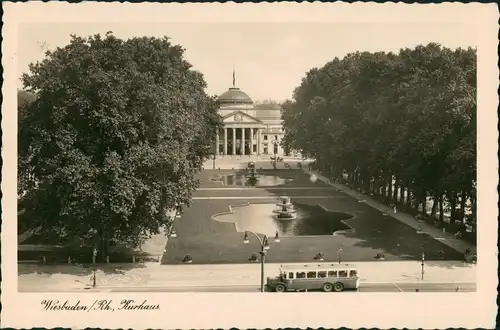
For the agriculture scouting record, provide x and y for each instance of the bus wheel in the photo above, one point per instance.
(338, 287)
(280, 288)
(327, 287)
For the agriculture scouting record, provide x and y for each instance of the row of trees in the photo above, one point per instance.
(402, 122)
(113, 139)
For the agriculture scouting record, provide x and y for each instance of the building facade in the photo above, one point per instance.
(247, 130)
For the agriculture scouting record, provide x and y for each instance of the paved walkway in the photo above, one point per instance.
(446, 238)
(65, 277)
(27, 234)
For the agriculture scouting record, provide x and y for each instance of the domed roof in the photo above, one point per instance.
(235, 96)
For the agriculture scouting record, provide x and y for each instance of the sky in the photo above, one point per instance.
(270, 58)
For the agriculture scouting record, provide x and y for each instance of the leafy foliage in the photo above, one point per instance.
(267, 105)
(115, 137)
(408, 117)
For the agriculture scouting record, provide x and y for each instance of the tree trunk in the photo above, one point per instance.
(403, 193)
(422, 200)
(389, 190)
(395, 193)
(103, 246)
(408, 198)
(463, 198)
(368, 181)
(441, 208)
(453, 203)
(434, 206)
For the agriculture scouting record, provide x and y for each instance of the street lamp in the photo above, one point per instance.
(94, 281)
(423, 259)
(264, 247)
(339, 254)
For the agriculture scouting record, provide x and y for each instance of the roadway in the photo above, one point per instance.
(366, 287)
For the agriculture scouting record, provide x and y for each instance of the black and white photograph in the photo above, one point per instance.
(249, 165)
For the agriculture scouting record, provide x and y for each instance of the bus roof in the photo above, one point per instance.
(316, 266)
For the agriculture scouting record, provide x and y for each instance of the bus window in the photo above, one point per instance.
(301, 275)
(290, 275)
(332, 273)
(284, 276)
(322, 274)
(342, 273)
(353, 273)
(311, 274)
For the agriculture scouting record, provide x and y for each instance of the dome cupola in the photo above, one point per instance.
(234, 96)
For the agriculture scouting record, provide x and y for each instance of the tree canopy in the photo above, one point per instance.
(24, 98)
(267, 105)
(408, 117)
(115, 137)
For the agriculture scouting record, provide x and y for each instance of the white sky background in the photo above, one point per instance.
(270, 58)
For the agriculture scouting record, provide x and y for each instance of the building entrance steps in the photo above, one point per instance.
(65, 277)
(446, 238)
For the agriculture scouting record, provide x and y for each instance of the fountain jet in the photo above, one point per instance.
(285, 209)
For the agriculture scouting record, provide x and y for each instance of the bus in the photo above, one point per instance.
(326, 277)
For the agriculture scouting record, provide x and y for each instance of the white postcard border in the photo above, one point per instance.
(243, 310)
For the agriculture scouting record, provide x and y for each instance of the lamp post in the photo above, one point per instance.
(339, 254)
(423, 259)
(264, 246)
(94, 283)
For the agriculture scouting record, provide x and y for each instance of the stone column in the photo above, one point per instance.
(225, 141)
(234, 140)
(251, 141)
(217, 144)
(258, 141)
(243, 140)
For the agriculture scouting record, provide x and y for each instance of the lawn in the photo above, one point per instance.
(209, 241)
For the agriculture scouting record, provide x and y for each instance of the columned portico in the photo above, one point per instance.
(246, 129)
(239, 140)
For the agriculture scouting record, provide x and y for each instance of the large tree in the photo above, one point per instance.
(402, 122)
(115, 137)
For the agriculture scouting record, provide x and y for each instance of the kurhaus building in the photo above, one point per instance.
(247, 130)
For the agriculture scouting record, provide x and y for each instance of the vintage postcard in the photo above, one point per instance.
(249, 165)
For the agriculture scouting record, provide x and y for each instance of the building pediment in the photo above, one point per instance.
(238, 117)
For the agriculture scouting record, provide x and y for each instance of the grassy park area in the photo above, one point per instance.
(210, 241)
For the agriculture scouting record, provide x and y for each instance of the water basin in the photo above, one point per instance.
(309, 220)
(240, 179)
